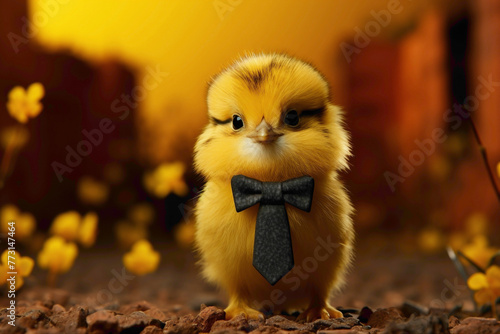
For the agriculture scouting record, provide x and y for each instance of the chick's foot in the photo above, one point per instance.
(249, 313)
(320, 312)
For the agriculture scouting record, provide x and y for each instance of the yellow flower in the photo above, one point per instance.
(128, 234)
(184, 233)
(141, 214)
(479, 251)
(71, 226)
(91, 191)
(15, 136)
(57, 255)
(23, 265)
(142, 259)
(457, 240)
(25, 223)
(476, 224)
(24, 104)
(88, 229)
(66, 225)
(487, 286)
(8, 213)
(165, 179)
(431, 240)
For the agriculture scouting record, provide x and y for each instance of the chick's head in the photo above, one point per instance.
(271, 119)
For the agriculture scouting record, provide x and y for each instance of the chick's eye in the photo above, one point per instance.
(292, 118)
(237, 122)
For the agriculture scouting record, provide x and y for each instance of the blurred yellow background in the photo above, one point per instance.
(193, 40)
(103, 102)
(395, 66)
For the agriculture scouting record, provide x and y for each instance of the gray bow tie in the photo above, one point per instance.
(272, 249)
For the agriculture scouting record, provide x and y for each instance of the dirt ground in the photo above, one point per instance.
(387, 292)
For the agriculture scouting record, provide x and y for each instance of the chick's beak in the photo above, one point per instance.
(264, 133)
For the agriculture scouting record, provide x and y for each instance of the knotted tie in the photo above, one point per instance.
(272, 248)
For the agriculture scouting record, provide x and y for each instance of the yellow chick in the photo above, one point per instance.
(271, 120)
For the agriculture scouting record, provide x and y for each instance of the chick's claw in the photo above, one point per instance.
(334, 313)
(247, 312)
(325, 312)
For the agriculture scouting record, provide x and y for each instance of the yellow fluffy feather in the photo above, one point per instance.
(252, 107)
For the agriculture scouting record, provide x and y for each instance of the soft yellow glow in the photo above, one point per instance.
(88, 229)
(479, 251)
(23, 267)
(193, 40)
(57, 255)
(25, 222)
(166, 179)
(142, 259)
(128, 233)
(71, 226)
(66, 225)
(91, 191)
(487, 286)
(24, 104)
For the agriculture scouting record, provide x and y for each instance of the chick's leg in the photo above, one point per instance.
(237, 306)
(320, 312)
(319, 308)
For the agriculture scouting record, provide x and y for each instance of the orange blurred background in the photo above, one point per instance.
(396, 67)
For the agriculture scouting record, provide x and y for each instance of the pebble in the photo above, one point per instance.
(70, 320)
(284, 323)
(207, 317)
(103, 321)
(365, 314)
(182, 325)
(477, 326)
(134, 322)
(156, 313)
(152, 330)
(57, 308)
(239, 323)
(381, 317)
(133, 307)
(453, 322)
